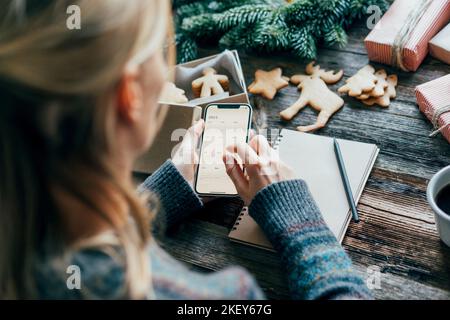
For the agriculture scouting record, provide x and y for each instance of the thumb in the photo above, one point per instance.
(235, 173)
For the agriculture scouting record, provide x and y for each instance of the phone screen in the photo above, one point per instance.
(224, 125)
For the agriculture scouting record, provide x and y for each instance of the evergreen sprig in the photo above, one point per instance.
(297, 26)
(243, 16)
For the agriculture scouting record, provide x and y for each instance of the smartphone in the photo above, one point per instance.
(225, 124)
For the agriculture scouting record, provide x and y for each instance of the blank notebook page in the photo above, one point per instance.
(312, 158)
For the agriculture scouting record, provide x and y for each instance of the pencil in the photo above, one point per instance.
(347, 187)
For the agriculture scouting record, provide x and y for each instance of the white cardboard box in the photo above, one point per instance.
(227, 63)
(182, 116)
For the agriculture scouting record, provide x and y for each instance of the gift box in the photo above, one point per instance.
(226, 63)
(401, 37)
(440, 45)
(433, 99)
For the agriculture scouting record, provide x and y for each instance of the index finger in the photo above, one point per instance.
(245, 152)
(260, 144)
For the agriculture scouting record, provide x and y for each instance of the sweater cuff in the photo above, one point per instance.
(316, 264)
(282, 206)
(177, 198)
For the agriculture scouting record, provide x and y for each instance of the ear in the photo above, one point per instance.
(129, 97)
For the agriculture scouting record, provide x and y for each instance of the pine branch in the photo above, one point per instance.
(335, 36)
(187, 49)
(242, 16)
(178, 3)
(299, 11)
(191, 9)
(358, 8)
(237, 38)
(327, 5)
(229, 4)
(268, 25)
(271, 34)
(201, 26)
(303, 43)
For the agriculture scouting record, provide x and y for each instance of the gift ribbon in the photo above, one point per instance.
(435, 119)
(404, 34)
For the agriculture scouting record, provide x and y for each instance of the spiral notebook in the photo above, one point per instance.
(312, 159)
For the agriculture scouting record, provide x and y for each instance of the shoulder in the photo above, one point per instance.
(84, 274)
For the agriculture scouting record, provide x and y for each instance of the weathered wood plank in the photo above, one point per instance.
(398, 230)
(399, 288)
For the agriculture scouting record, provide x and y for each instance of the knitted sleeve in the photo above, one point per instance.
(317, 265)
(177, 198)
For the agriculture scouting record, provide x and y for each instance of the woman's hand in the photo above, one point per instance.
(186, 157)
(261, 164)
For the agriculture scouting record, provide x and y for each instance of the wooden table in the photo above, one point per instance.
(397, 232)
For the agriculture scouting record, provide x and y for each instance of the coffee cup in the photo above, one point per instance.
(435, 189)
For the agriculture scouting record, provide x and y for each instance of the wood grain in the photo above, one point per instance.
(397, 231)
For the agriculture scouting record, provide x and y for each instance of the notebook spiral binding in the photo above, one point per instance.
(244, 210)
(277, 141)
(238, 220)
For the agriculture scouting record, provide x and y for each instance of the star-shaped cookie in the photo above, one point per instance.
(267, 83)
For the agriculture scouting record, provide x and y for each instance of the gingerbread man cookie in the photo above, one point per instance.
(210, 84)
(362, 82)
(391, 93)
(172, 94)
(316, 94)
(267, 83)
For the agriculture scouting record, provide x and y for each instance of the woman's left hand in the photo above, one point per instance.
(186, 157)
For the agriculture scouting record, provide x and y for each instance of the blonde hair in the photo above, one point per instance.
(55, 127)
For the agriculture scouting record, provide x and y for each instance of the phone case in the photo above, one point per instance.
(201, 142)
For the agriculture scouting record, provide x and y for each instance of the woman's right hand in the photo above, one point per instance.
(254, 166)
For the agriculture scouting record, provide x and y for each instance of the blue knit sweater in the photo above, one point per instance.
(317, 266)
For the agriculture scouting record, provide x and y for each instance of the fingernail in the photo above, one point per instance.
(228, 158)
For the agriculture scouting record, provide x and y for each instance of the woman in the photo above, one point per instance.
(77, 108)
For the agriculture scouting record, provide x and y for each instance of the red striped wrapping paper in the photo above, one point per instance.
(433, 95)
(379, 42)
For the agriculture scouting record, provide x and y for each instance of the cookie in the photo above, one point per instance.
(172, 94)
(267, 83)
(363, 81)
(390, 93)
(315, 93)
(330, 77)
(380, 87)
(210, 84)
